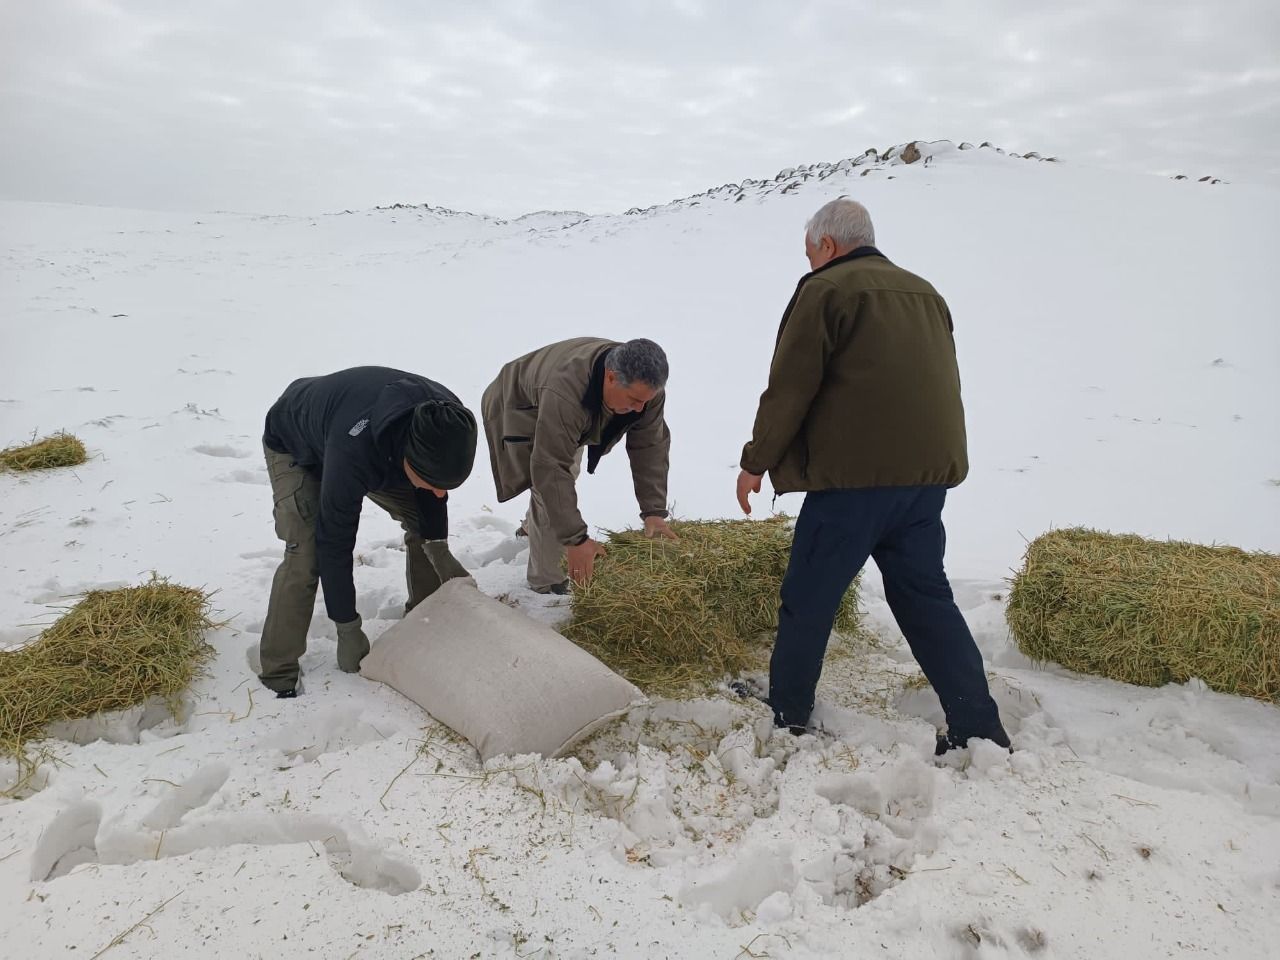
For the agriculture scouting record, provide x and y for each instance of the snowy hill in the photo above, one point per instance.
(1119, 352)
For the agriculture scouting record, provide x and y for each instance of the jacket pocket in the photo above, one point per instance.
(518, 425)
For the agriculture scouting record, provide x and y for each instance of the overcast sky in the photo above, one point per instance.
(506, 107)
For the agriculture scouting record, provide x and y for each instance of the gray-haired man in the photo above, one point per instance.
(862, 412)
(540, 413)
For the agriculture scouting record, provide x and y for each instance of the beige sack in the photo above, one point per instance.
(508, 684)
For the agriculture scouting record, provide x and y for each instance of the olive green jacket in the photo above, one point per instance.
(864, 389)
(544, 406)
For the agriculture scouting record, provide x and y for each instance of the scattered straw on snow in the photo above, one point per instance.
(112, 650)
(665, 614)
(1151, 612)
(59, 450)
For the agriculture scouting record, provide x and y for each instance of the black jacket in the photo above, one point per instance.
(348, 429)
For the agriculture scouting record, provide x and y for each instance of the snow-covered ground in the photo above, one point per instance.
(1121, 363)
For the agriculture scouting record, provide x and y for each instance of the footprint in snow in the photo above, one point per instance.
(191, 795)
(330, 731)
(221, 450)
(68, 841)
(504, 552)
(174, 827)
(245, 476)
(269, 553)
(56, 593)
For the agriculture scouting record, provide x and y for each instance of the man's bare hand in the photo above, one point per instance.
(655, 527)
(748, 483)
(581, 560)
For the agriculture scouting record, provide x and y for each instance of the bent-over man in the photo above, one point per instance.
(397, 438)
(547, 407)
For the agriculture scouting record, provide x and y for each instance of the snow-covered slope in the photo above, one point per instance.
(1119, 353)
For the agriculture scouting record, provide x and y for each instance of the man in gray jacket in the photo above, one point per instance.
(541, 412)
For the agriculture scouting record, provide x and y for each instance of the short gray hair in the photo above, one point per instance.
(638, 360)
(845, 221)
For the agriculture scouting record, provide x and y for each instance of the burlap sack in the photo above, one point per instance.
(508, 684)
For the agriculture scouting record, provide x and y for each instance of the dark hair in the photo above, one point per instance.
(639, 360)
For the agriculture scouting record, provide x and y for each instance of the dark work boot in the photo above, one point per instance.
(286, 692)
(795, 729)
(947, 742)
(559, 589)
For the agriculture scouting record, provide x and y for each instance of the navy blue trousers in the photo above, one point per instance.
(901, 529)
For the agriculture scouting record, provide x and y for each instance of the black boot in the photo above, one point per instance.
(947, 742)
(558, 589)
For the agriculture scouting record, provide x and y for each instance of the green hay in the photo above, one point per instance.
(114, 649)
(1149, 612)
(59, 450)
(666, 614)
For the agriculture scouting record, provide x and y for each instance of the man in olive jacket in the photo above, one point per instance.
(863, 411)
(542, 411)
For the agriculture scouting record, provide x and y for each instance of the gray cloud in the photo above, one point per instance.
(509, 106)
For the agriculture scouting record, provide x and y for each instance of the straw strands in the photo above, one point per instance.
(114, 649)
(665, 614)
(1150, 612)
(59, 450)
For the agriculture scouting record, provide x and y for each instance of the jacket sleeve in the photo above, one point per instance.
(649, 449)
(433, 515)
(342, 490)
(799, 363)
(555, 443)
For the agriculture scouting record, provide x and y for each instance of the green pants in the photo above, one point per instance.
(296, 494)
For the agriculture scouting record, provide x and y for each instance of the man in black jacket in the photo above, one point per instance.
(399, 439)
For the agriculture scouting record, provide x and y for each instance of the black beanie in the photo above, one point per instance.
(441, 443)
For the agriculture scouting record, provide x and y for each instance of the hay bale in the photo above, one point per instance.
(59, 450)
(1150, 612)
(114, 649)
(666, 614)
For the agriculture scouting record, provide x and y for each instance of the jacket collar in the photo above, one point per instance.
(593, 401)
(856, 254)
